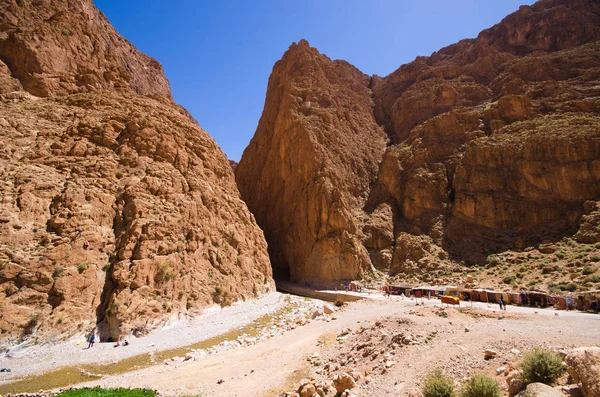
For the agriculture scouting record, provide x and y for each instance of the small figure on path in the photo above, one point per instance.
(79, 232)
(86, 245)
(92, 340)
(502, 304)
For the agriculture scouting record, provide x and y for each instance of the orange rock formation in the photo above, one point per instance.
(117, 208)
(492, 143)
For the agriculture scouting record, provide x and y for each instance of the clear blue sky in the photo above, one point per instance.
(218, 54)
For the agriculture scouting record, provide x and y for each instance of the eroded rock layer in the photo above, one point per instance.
(116, 208)
(494, 143)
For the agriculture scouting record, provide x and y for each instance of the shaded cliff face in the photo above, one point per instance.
(117, 208)
(307, 171)
(493, 145)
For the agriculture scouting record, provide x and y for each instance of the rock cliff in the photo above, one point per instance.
(307, 172)
(492, 144)
(58, 47)
(117, 209)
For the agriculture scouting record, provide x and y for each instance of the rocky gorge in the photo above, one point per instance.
(119, 213)
(488, 145)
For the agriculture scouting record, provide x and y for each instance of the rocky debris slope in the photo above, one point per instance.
(492, 145)
(307, 171)
(116, 207)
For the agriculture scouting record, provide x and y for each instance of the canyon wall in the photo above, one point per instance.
(490, 144)
(118, 211)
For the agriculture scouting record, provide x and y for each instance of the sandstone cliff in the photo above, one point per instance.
(117, 208)
(493, 145)
(57, 47)
(309, 168)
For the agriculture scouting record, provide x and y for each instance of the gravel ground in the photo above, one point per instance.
(26, 359)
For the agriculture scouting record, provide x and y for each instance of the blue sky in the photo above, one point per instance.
(218, 55)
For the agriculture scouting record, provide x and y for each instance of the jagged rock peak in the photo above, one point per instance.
(312, 159)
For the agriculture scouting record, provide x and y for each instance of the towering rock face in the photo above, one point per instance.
(307, 172)
(493, 144)
(57, 47)
(117, 208)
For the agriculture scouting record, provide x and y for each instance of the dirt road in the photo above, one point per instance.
(455, 341)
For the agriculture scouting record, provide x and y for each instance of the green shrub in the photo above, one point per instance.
(166, 273)
(588, 270)
(57, 272)
(481, 386)
(593, 278)
(595, 258)
(119, 175)
(437, 384)
(508, 279)
(541, 365)
(82, 267)
(494, 260)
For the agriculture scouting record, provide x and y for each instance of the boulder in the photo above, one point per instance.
(343, 382)
(541, 390)
(307, 390)
(583, 364)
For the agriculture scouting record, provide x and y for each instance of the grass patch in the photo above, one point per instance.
(99, 392)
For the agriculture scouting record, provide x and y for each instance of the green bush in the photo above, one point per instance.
(541, 365)
(595, 258)
(57, 272)
(82, 267)
(481, 386)
(494, 260)
(588, 270)
(593, 278)
(437, 384)
(508, 279)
